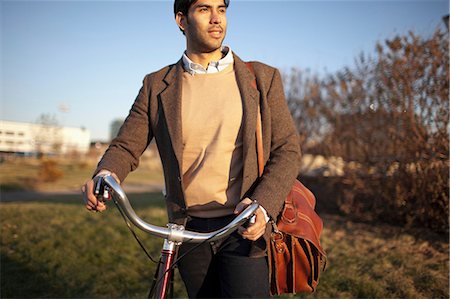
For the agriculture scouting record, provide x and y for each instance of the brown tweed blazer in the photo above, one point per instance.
(156, 113)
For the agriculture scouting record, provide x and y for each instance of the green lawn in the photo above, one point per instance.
(55, 249)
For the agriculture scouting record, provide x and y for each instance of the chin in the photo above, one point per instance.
(216, 45)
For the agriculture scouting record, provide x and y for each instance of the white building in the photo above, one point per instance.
(29, 138)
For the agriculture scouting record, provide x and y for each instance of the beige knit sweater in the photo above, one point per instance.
(212, 143)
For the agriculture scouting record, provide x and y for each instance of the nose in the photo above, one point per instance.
(215, 18)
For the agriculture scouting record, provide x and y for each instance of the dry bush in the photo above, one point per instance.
(388, 119)
(49, 171)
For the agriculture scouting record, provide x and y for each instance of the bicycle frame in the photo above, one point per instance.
(165, 272)
(174, 235)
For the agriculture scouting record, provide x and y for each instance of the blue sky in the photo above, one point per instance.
(91, 56)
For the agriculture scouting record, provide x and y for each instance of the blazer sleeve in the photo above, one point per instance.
(122, 155)
(283, 164)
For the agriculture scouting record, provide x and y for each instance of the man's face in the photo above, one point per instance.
(205, 25)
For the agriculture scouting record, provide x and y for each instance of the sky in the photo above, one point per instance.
(83, 61)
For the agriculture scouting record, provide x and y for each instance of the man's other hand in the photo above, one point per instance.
(254, 230)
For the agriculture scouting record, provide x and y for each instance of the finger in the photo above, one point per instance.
(239, 208)
(242, 205)
(254, 235)
(87, 202)
(253, 231)
(98, 206)
(89, 193)
(101, 206)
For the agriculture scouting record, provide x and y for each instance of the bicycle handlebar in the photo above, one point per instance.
(173, 232)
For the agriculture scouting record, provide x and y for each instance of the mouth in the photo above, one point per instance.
(216, 32)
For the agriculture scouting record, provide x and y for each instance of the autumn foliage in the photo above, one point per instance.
(388, 119)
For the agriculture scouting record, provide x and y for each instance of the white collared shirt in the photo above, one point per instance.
(213, 67)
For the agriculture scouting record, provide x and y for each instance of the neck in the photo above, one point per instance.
(204, 58)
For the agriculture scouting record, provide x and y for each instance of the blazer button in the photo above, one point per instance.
(179, 179)
(183, 212)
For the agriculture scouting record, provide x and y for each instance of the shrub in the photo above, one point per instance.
(388, 118)
(49, 171)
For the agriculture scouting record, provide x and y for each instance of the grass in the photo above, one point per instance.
(59, 250)
(25, 174)
(55, 249)
(382, 261)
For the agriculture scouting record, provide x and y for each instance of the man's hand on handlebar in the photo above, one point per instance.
(256, 229)
(92, 202)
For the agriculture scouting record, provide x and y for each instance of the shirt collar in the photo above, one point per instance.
(213, 67)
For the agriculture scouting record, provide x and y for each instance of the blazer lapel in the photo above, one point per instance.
(171, 102)
(250, 100)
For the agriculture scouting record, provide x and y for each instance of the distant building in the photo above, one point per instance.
(115, 127)
(30, 139)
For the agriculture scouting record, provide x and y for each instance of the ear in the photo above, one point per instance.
(181, 19)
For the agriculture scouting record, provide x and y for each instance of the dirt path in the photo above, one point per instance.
(24, 195)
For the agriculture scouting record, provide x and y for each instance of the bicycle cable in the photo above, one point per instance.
(134, 233)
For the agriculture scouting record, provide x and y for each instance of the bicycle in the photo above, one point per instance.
(106, 188)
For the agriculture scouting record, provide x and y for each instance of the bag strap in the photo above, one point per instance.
(259, 143)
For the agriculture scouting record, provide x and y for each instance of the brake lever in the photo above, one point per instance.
(98, 186)
(102, 190)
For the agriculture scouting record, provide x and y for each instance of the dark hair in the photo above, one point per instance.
(183, 6)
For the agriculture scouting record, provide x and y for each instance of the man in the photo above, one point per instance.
(202, 112)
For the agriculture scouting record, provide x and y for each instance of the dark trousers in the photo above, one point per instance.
(222, 269)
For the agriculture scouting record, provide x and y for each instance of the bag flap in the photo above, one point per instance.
(298, 217)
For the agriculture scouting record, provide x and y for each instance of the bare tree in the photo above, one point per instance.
(388, 119)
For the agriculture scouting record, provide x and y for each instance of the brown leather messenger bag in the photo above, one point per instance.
(296, 258)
